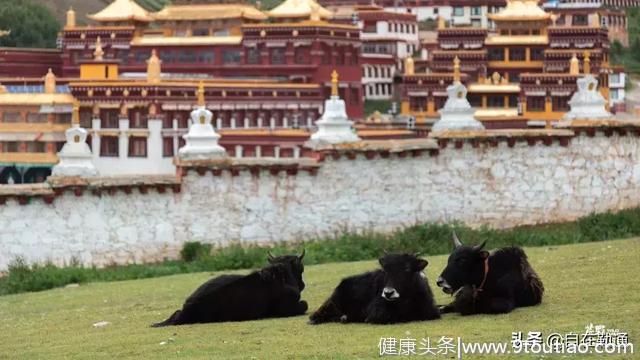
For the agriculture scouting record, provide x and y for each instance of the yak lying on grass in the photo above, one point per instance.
(485, 283)
(396, 293)
(273, 291)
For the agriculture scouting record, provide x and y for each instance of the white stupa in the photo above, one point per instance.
(75, 156)
(202, 139)
(587, 102)
(334, 126)
(457, 113)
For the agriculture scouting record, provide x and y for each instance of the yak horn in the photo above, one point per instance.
(270, 255)
(479, 247)
(456, 241)
(301, 255)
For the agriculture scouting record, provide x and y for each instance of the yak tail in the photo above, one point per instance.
(172, 320)
(535, 289)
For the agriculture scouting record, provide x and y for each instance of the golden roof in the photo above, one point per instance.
(521, 10)
(36, 99)
(300, 9)
(496, 113)
(35, 128)
(209, 12)
(122, 10)
(493, 88)
(213, 83)
(4, 32)
(517, 40)
(29, 158)
(305, 23)
(185, 40)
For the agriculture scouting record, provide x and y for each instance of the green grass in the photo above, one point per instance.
(429, 239)
(585, 283)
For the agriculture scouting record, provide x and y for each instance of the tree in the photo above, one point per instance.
(31, 25)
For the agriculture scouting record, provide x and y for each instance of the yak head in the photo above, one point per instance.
(401, 271)
(464, 267)
(294, 265)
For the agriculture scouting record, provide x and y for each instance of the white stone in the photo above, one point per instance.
(334, 127)
(587, 102)
(457, 113)
(202, 139)
(75, 156)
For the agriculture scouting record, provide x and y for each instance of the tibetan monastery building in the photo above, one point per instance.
(523, 73)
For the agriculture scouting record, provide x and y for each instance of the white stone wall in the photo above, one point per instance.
(500, 187)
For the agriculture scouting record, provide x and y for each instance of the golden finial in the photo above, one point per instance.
(71, 18)
(98, 53)
(596, 20)
(587, 63)
(154, 70)
(574, 65)
(75, 113)
(456, 70)
(3, 90)
(50, 83)
(409, 68)
(441, 23)
(200, 93)
(334, 83)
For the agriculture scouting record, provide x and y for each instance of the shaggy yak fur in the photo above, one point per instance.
(396, 293)
(273, 291)
(491, 284)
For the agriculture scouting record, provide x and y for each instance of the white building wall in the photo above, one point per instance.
(496, 186)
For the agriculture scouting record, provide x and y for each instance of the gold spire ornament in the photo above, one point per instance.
(574, 65)
(98, 53)
(587, 63)
(456, 70)
(409, 66)
(441, 23)
(75, 113)
(200, 93)
(334, 83)
(71, 18)
(50, 83)
(154, 70)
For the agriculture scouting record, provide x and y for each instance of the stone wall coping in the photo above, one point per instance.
(390, 145)
(496, 134)
(598, 123)
(40, 189)
(226, 163)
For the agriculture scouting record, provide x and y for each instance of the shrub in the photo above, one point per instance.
(194, 250)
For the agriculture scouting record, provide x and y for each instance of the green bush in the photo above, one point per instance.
(428, 239)
(194, 250)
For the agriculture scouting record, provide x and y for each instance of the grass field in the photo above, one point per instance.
(585, 283)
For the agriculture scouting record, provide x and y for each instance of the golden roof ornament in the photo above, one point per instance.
(409, 66)
(200, 93)
(596, 20)
(98, 53)
(3, 89)
(456, 70)
(334, 83)
(75, 113)
(574, 65)
(441, 23)
(154, 70)
(50, 83)
(71, 18)
(587, 63)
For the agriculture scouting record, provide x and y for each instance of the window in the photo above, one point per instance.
(36, 118)
(137, 120)
(11, 146)
(302, 55)
(517, 54)
(277, 56)
(62, 118)
(614, 78)
(187, 56)
(35, 147)
(476, 11)
(580, 20)
(476, 23)
(109, 119)
(535, 103)
(458, 11)
(137, 146)
(614, 94)
(167, 146)
(11, 117)
(537, 54)
(85, 119)
(417, 103)
(435, 11)
(495, 101)
(142, 56)
(200, 32)
(167, 56)
(207, 57)
(560, 103)
(109, 146)
(253, 56)
(354, 96)
(496, 54)
(231, 57)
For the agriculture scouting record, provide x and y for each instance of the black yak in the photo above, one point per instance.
(396, 293)
(492, 284)
(273, 291)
